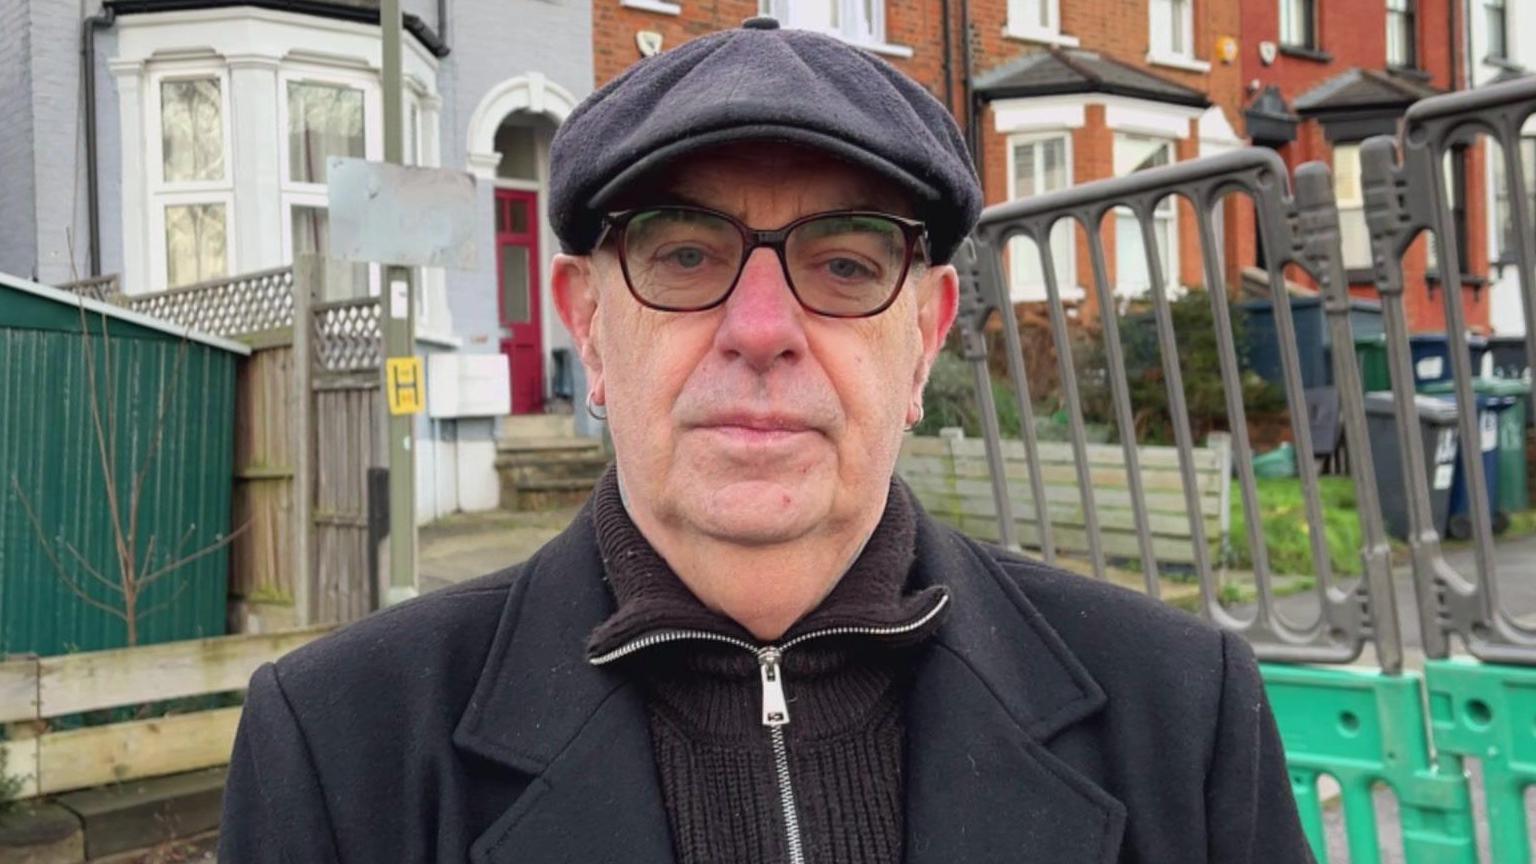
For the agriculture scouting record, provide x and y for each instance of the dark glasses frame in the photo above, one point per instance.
(913, 231)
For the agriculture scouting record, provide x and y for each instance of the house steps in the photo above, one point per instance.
(543, 464)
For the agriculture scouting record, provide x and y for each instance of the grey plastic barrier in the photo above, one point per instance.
(1402, 199)
(1303, 231)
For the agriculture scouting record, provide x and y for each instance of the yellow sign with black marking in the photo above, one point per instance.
(405, 385)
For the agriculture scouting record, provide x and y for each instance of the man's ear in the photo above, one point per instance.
(938, 301)
(573, 281)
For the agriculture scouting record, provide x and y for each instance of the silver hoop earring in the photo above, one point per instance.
(916, 423)
(592, 409)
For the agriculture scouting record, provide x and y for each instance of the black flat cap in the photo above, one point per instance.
(761, 83)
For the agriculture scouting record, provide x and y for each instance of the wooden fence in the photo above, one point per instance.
(950, 476)
(36, 690)
(309, 427)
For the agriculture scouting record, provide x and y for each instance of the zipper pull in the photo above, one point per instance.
(775, 706)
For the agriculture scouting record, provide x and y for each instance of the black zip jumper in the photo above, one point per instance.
(784, 752)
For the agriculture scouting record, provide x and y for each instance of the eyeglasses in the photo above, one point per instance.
(842, 264)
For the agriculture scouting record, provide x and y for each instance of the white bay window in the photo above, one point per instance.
(1133, 279)
(1040, 164)
(324, 116)
(190, 185)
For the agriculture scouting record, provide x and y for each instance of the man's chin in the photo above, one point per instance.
(760, 512)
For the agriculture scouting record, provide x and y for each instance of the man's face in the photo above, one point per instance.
(756, 422)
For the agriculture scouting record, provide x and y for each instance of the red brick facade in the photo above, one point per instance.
(1354, 35)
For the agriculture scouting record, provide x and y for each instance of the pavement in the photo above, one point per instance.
(465, 545)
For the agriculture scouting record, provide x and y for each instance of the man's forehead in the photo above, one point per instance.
(731, 176)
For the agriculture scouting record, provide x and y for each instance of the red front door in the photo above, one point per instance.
(517, 266)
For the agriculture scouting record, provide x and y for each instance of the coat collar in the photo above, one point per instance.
(997, 684)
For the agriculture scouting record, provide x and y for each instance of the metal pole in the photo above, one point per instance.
(399, 328)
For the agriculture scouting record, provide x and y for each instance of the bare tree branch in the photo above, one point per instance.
(88, 567)
(168, 601)
(166, 392)
(203, 552)
(103, 445)
(42, 537)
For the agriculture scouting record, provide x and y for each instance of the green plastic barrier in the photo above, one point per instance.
(1488, 712)
(1364, 728)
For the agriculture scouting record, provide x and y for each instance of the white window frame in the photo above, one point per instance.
(1160, 36)
(299, 194)
(1410, 8)
(1019, 25)
(1314, 44)
(1020, 291)
(850, 12)
(1495, 159)
(1349, 195)
(163, 194)
(1167, 210)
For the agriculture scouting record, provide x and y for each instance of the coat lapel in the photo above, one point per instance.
(580, 733)
(995, 687)
(981, 785)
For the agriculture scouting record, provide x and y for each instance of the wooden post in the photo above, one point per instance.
(308, 274)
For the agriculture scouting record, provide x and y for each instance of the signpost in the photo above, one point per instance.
(400, 217)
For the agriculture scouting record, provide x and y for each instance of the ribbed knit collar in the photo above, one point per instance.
(651, 598)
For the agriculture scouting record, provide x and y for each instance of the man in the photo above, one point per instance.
(751, 645)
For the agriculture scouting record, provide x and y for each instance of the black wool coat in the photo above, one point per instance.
(1052, 719)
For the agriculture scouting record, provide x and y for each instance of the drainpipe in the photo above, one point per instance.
(442, 23)
(88, 28)
(949, 59)
(972, 124)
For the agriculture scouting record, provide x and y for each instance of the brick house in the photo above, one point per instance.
(199, 152)
(1323, 76)
(1070, 92)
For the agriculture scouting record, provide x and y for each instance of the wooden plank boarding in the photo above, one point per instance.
(81, 758)
(72, 683)
(951, 478)
(18, 689)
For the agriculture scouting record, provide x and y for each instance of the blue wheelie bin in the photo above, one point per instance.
(1432, 358)
(1489, 409)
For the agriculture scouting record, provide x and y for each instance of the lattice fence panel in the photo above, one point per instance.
(250, 303)
(348, 336)
(103, 288)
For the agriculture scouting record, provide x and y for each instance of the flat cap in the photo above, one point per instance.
(762, 83)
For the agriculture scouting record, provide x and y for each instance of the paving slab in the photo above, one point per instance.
(466, 545)
(40, 833)
(144, 813)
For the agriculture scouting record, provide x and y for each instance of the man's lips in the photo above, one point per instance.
(763, 428)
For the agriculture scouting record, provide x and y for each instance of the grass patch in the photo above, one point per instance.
(1283, 515)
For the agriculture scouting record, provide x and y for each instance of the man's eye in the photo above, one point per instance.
(848, 268)
(687, 257)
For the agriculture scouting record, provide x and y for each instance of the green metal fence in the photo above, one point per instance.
(57, 540)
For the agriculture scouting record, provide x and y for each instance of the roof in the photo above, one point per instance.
(364, 11)
(1356, 88)
(1067, 70)
(96, 307)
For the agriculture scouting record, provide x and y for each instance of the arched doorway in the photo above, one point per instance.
(509, 137)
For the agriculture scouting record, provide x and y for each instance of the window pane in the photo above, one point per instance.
(194, 243)
(514, 284)
(1053, 170)
(1498, 45)
(324, 120)
(517, 149)
(1355, 238)
(1296, 23)
(191, 130)
(312, 235)
(1178, 38)
(1024, 170)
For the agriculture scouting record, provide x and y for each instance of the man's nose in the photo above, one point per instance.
(764, 323)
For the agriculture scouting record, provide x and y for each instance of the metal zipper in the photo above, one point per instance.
(775, 704)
